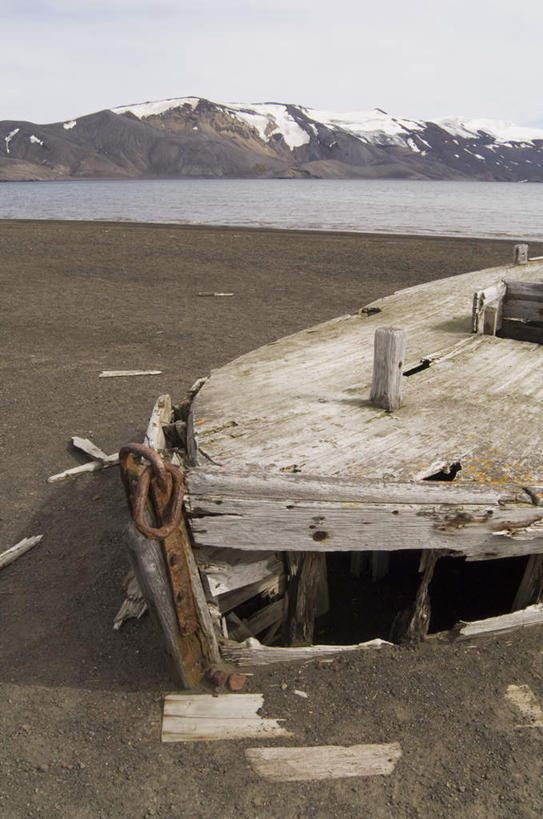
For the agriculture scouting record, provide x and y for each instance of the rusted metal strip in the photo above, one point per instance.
(155, 494)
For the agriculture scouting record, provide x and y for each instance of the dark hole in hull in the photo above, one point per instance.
(448, 473)
(361, 609)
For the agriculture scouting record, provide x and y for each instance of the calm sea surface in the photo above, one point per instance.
(493, 209)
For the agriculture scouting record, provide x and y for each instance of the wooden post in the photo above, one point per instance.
(388, 362)
(520, 254)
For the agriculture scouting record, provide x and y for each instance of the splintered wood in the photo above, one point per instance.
(202, 717)
(20, 548)
(323, 762)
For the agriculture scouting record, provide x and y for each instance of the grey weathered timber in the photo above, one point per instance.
(520, 254)
(530, 616)
(251, 511)
(148, 565)
(304, 591)
(389, 351)
(300, 403)
(530, 589)
(317, 762)
(252, 652)
(203, 717)
(20, 548)
(488, 308)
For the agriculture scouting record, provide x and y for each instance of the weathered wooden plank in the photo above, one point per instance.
(530, 616)
(161, 415)
(266, 617)
(520, 254)
(226, 570)
(252, 652)
(297, 404)
(126, 373)
(304, 591)
(90, 449)
(390, 347)
(215, 483)
(312, 763)
(92, 466)
(202, 717)
(20, 548)
(530, 589)
(270, 585)
(487, 309)
(481, 532)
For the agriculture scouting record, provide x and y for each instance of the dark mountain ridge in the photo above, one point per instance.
(194, 137)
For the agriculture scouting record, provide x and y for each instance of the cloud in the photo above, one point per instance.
(63, 58)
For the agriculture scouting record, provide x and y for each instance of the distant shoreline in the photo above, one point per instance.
(257, 229)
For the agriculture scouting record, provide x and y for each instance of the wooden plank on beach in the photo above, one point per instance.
(530, 616)
(253, 652)
(20, 548)
(312, 763)
(92, 466)
(203, 717)
(127, 373)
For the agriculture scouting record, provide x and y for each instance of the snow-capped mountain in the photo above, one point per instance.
(191, 136)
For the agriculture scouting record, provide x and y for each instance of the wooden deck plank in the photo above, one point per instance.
(302, 403)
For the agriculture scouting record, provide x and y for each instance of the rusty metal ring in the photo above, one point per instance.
(175, 503)
(160, 471)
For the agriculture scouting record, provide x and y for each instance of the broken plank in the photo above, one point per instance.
(266, 617)
(134, 605)
(123, 373)
(303, 598)
(323, 761)
(161, 415)
(92, 466)
(20, 548)
(252, 652)
(200, 717)
(530, 616)
(90, 449)
(225, 570)
(270, 585)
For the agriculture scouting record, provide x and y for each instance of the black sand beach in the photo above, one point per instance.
(81, 704)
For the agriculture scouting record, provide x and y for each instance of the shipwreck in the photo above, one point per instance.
(379, 474)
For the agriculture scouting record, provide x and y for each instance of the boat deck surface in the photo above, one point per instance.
(301, 404)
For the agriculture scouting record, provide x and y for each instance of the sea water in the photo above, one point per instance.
(487, 209)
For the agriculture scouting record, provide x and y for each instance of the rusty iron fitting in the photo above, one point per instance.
(169, 481)
(151, 455)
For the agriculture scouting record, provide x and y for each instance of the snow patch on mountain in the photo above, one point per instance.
(375, 125)
(270, 119)
(36, 140)
(499, 130)
(142, 110)
(69, 125)
(9, 137)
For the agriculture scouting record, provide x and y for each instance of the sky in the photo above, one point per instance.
(423, 59)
